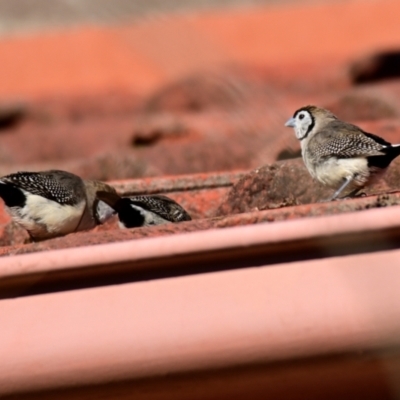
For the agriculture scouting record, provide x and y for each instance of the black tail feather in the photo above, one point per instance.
(383, 161)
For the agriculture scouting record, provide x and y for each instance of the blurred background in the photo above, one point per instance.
(38, 15)
(129, 89)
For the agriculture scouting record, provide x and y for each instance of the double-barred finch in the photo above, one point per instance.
(338, 154)
(136, 211)
(53, 203)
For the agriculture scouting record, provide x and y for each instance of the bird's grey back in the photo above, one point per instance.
(343, 140)
(60, 186)
(163, 206)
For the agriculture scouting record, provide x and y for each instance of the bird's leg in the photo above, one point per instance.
(344, 185)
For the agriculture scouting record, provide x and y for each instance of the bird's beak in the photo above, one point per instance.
(290, 122)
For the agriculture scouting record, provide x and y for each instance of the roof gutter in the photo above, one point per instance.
(197, 252)
(157, 330)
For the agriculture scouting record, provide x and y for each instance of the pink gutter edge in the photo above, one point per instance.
(356, 223)
(217, 320)
(304, 309)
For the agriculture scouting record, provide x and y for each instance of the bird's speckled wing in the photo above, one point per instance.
(163, 206)
(342, 140)
(50, 185)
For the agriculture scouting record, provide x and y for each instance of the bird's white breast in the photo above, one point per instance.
(46, 218)
(334, 171)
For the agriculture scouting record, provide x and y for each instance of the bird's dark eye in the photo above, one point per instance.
(301, 116)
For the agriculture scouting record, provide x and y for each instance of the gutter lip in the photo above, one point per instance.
(261, 316)
(207, 241)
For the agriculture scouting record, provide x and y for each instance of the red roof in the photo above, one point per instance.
(270, 291)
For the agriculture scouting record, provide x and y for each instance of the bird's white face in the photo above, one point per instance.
(103, 211)
(302, 122)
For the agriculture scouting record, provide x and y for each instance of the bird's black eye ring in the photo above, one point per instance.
(301, 116)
